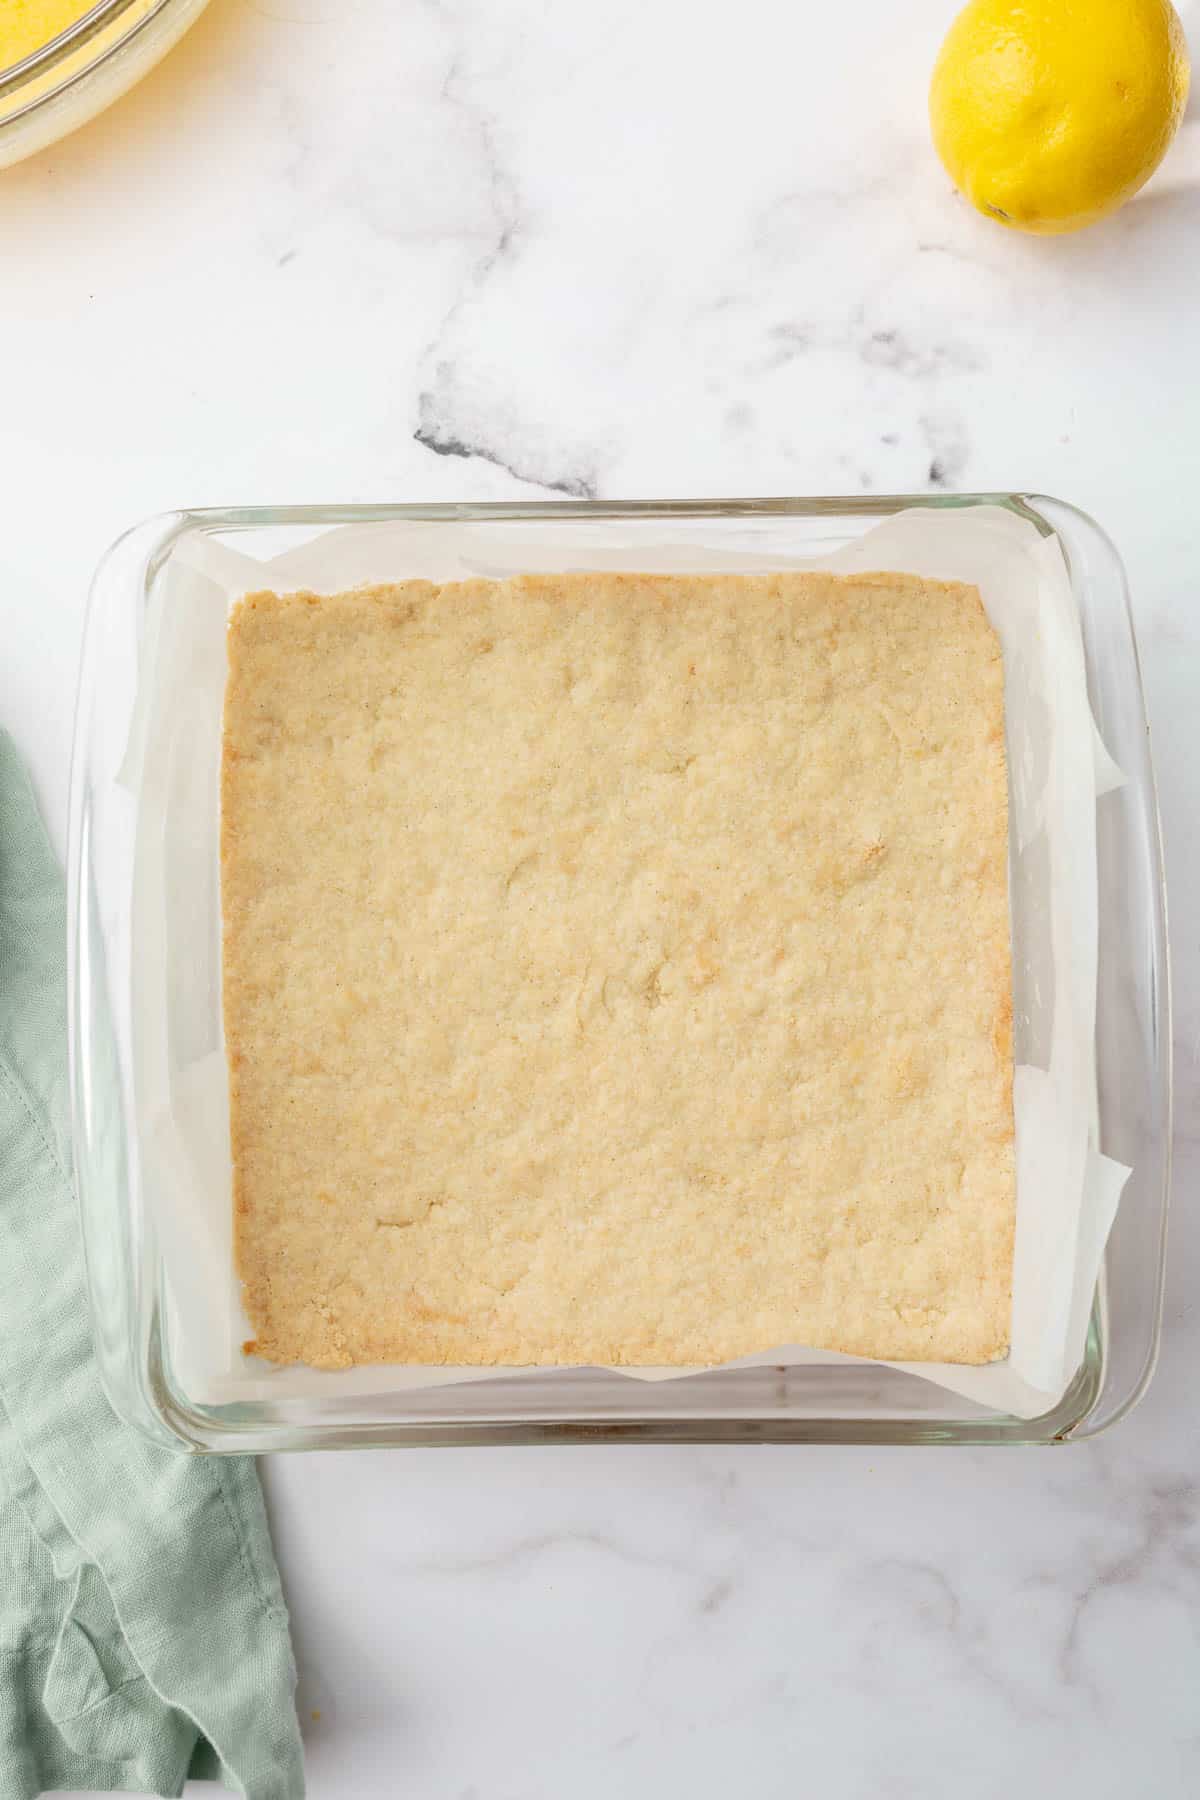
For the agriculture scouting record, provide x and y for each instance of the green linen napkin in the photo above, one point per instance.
(143, 1634)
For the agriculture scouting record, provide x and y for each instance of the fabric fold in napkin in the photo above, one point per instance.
(143, 1634)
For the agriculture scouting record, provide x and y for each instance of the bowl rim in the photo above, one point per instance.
(72, 38)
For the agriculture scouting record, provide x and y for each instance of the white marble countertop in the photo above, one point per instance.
(419, 249)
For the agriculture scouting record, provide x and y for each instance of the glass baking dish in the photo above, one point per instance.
(822, 1403)
(63, 83)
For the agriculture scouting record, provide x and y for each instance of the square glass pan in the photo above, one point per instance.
(843, 1403)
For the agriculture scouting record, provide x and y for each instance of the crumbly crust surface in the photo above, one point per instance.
(617, 970)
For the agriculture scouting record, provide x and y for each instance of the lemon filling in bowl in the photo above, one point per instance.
(29, 25)
(64, 61)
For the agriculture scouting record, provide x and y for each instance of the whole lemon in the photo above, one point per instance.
(1050, 113)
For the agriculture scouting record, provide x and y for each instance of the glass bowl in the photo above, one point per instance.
(123, 1211)
(66, 82)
